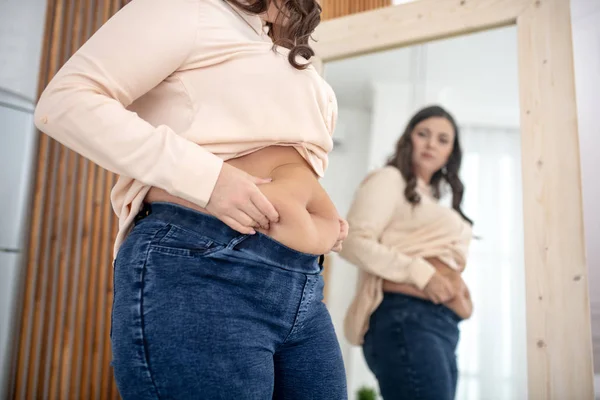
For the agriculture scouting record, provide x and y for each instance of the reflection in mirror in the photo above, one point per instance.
(474, 77)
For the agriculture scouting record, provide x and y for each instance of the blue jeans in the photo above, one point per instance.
(203, 312)
(410, 347)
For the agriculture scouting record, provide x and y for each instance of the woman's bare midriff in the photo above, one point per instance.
(461, 304)
(308, 220)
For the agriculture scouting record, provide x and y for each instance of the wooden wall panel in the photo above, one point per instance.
(64, 348)
(340, 8)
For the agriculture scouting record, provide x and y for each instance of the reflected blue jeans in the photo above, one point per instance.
(410, 348)
(203, 312)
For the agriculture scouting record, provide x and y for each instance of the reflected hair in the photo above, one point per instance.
(402, 159)
(303, 16)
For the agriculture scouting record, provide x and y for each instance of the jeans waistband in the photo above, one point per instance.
(401, 300)
(258, 246)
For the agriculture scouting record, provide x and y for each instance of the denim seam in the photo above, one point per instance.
(112, 307)
(412, 376)
(156, 245)
(186, 253)
(174, 226)
(296, 318)
(305, 300)
(142, 285)
(235, 241)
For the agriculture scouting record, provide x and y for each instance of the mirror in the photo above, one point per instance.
(475, 78)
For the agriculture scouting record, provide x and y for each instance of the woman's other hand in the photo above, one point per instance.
(337, 247)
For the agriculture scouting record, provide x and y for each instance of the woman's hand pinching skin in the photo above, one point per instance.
(237, 201)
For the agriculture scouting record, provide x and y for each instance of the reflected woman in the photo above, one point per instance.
(411, 251)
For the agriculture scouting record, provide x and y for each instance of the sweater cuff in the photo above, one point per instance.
(197, 175)
(420, 272)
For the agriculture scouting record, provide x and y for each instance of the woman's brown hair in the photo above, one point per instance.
(302, 17)
(402, 159)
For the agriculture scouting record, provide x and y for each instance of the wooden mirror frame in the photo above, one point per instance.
(559, 346)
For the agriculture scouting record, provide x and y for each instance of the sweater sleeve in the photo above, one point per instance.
(84, 106)
(374, 205)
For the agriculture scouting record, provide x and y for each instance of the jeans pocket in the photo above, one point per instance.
(184, 243)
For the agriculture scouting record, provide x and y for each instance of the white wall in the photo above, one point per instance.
(21, 30)
(477, 75)
(585, 16)
(392, 106)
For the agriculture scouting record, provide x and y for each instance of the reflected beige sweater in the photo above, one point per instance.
(167, 90)
(390, 238)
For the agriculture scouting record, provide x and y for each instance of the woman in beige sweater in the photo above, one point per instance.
(219, 128)
(411, 252)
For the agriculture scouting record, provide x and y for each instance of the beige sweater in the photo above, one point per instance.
(390, 238)
(167, 90)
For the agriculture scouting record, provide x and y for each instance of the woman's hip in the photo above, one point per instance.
(178, 260)
(412, 318)
(191, 295)
(192, 237)
(176, 254)
(461, 304)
